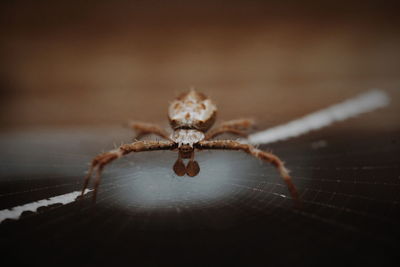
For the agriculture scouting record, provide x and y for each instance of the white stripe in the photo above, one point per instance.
(15, 213)
(363, 103)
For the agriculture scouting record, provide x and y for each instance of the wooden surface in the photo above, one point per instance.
(91, 63)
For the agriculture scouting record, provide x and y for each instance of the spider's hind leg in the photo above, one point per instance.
(142, 129)
(240, 124)
(237, 127)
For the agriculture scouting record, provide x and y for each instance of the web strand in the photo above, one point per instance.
(366, 102)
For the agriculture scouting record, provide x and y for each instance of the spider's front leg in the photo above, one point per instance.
(265, 156)
(237, 127)
(101, 160)
(142, 129)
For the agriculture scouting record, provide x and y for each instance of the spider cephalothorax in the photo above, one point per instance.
(191, 116)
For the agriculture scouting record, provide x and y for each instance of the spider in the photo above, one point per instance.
(191, 115)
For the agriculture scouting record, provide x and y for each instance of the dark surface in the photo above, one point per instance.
(231, 213)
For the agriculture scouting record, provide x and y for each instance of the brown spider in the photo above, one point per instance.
(191, 115)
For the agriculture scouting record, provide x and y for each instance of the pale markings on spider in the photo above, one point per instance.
(191, 109)
(187, 137)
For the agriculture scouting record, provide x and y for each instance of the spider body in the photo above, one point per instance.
(191, 116)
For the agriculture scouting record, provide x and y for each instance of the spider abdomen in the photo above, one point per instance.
(192, 110)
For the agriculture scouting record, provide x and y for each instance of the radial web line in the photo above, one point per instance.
(365, 102)
(15, 212)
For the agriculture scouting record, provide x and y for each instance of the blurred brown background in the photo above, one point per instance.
(99, 63)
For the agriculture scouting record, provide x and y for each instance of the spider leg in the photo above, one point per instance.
(265, 156)
(142, 129)
(234, 127)
(101, 160)
(219, 131)
(240, 124)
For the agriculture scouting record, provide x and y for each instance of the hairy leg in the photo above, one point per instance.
(143, 128)
(101, 160)
(265, 156)
(240, 124)
(219, 131)
(234, 127)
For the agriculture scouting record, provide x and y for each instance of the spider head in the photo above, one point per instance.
(192, 110)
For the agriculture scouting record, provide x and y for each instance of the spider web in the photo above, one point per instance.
(237, 209)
